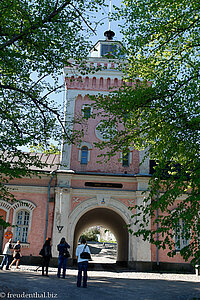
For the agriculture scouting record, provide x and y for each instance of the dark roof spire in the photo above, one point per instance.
(109, 34)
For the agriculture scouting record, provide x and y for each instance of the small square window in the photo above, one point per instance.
(87, 112)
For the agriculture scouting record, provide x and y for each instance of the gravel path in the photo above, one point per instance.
(26, 283)
(123, 274)
(113, 282)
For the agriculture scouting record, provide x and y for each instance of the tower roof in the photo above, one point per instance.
(107, 47)
(109, 34)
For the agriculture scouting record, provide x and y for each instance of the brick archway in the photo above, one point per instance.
(109, 219)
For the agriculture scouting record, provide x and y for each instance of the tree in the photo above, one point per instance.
(91, 234)
(159, 109)
(37, 39)
(51, 149)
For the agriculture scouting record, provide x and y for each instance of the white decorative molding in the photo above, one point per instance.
(85, 144)
(21, 204)
(6, 206)
(131, 202)
(91, 203)
(23, 245)
(102, 133)
(24, 204)
(103, 199)
(76, 200)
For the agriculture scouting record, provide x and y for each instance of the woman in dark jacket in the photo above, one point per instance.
(46, 255)
(16, 254)
(63, 256)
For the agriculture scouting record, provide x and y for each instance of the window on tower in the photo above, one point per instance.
(125, 159)
(108, 49)
(101, 82)
(87, 82)
(94, 82)
(86, 111)
(84, 155)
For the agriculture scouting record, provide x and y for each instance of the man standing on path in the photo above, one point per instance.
(7, 255)
(63, 256)
(82, 263)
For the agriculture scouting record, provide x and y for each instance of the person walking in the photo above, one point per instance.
(16, 254)
(7, 255)
(82, 263)
(63, 256)
(46, 256)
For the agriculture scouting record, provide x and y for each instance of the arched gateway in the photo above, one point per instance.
(78, 207)
(109, 219)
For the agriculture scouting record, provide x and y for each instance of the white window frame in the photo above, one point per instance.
(24, 205)
(84, 161)
(87, 106)
(84, 144)
(130, 156)
(24, 227)
(6, 207)
(183, 241)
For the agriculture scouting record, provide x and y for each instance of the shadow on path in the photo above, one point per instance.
(99, 288)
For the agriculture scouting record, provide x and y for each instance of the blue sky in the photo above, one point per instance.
(100, 29)
(103, 14)
(103, 25)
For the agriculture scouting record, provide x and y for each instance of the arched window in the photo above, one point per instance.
(87, 82)
(108, 83)
(94, 82)
(101, 82)
(79, 81)
(84, 155)
(22, 226)
(72, 81)
(116, 82)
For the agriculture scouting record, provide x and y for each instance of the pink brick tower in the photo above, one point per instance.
(90, 193)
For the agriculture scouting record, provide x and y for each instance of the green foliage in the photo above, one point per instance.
(90, 234)
(160, 113)
(37, 39)
(110, 241)
(51, 149)
(4, 223)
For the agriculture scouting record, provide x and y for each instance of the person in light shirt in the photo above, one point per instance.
(82, 263)
(7, 255)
